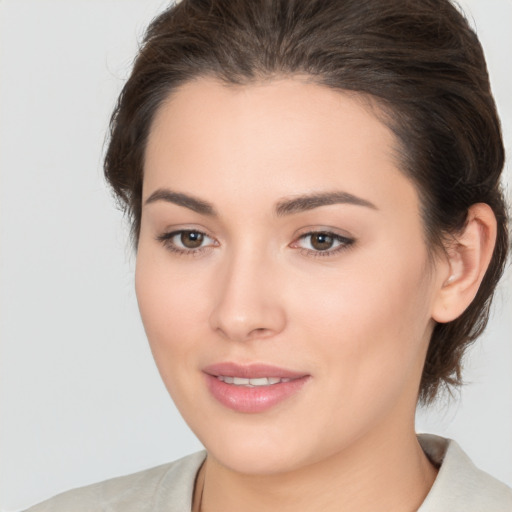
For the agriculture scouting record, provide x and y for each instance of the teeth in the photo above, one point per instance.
(261, 381)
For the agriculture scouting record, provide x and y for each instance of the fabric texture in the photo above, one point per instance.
(459, 487)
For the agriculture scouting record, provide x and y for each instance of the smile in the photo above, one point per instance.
(253, 388)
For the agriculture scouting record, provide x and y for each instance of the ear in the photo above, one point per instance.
(466, 263)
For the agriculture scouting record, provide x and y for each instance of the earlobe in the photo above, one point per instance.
(468, 259)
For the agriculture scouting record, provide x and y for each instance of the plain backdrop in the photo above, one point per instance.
(81, 399)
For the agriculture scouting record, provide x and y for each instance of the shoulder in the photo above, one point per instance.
(460, 485)
(149, 490)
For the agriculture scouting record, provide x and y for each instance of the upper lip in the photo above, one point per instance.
(251, 371)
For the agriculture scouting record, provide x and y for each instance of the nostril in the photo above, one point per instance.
(260, 332)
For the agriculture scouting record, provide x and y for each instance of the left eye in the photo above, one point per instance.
(324, 241)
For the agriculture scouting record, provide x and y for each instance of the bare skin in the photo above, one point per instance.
(355, 320)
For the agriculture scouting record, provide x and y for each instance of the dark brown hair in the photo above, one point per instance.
(418, 59)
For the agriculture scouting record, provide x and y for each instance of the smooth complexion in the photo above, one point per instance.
(228, 273)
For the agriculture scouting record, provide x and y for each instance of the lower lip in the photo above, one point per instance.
(255, 399)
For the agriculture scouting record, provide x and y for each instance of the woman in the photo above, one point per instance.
(319, 225)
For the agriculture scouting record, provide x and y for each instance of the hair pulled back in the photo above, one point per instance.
(418, 59)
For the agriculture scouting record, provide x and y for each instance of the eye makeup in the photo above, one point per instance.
(176, 242)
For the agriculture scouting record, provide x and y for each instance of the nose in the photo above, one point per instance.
(248, 305)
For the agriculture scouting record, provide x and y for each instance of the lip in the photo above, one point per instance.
(252, 399)
(251, 371)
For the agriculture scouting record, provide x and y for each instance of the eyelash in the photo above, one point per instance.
(345, 243)
(166, 240)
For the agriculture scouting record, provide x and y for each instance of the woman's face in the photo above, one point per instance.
(278, 241)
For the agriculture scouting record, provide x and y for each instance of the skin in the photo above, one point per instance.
(357, 321)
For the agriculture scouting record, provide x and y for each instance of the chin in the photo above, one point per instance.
(257, 447)
(254, 459)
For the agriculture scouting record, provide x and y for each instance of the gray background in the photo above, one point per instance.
(80, 397)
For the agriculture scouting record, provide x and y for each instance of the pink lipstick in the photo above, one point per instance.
(252, 388)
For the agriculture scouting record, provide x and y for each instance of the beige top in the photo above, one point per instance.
(459, 487)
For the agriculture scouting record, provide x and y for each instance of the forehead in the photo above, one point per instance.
(278, 138)
(294, 106)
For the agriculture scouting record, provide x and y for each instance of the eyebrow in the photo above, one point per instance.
(282, 208)
(193, 203)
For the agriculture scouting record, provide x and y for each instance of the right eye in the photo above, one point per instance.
(185, 241)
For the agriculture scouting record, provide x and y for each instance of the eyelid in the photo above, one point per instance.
(345, 242)
(166, 239)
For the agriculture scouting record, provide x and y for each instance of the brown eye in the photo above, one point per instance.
(191, 239)
(321, 241)
(186, 242)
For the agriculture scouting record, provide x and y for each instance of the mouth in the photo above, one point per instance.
(252, 388)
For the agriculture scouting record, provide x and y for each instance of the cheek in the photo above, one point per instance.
(170, 304)
(371, 327)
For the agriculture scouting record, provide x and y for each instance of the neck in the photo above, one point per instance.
(380, 472)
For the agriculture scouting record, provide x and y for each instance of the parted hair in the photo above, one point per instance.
(418, 60)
